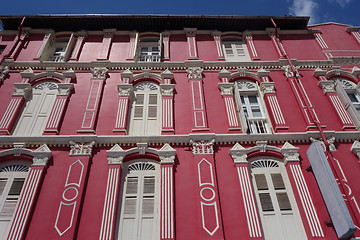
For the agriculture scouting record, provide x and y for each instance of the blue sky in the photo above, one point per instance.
(341, 11)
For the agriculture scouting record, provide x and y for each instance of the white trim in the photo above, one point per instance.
(67, 178)
(321, 41)
(203, 218)
(211, 173)
(9, 113)
(72, 217)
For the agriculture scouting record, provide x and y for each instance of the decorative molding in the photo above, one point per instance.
(81, 149)
(202, 147)
(167, 75)
(330, 140)
(327, 86)
(355, 149)
(290, 153)
(238, 154)
(125, 89)
(4, 70)
(22, 90)
(226, 88)
(128, 75)
(99, 73)
(167, 154)
(195, 72)
(319, 72)
(352, 29)
(224, 73)
(355, 71)
(115, 155)
(288, 71)
(65, 89)
(262, 73)
(167, 89)
(267, 87)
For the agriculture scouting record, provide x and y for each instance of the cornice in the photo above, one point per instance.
(172, 66)
(180, 140)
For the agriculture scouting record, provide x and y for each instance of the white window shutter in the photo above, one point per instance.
(239, 108)
(69, 47)
(347, 104)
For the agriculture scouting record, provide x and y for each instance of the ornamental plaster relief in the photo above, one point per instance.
(267, 87)
(99, 73)
(81, 149)
(22, 90)
(195, 72)
(202, 147)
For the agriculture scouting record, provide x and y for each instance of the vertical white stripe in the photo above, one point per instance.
(245, 200)
(10, 111)
(162, 202)
(306, 201)
(24, 211)
(52, 113)
(274, 110)
(171, 203)
(112, 202)
(341, 110)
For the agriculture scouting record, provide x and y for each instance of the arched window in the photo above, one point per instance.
(235, 50)
(349, 95)
(250, 106)
(146, 110)
(140, 214)
(37, 109)
(276, 203)
(12, 178)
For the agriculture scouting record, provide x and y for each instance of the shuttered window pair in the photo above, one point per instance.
(276, 203)
(235, 51)
(139, 210)
(145, 116)
(12, 178)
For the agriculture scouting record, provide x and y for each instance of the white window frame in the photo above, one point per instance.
(141, 171)
(235, 50)
(149, 50)
(147, 124)
(59, 49)
(345, 87)
(277, 224)
(9, 171)
(244, 89)
(37, 110)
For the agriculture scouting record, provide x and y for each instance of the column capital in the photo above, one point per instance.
(41, 156)
(22, 90)
(125, 89)
(267, 87)
(319, 72)
(290, 153)
(355, 148)
(4, 70)
(226, 88)
(99, 73)
(327, 86)
(195, 72)
(81, 149)
(65, 89)
(238, 154)
(202, 147)
(167, 89)
(224, 73)
(262, 73)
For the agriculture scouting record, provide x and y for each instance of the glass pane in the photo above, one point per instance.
(149, 184)
(256, 112)
(131, 185)
(265, 201)
(242, 100)
(260, 180)
(277, 181)
(283, 201)
(253, 99)
(16, 186)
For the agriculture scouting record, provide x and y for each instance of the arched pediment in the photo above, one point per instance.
(40, 155)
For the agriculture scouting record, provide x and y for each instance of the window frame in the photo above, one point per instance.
(146, 105)
(268, 168)
(153, 52)
(11, 176)
(252, 125)
(29, 128)
(235, 44)
(126, 173)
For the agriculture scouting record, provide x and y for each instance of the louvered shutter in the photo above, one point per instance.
(266, 203)
(261, 183)
(347, 104)
(69, 47)
(283, 200)
(239, 108)
(2, 185)
(13, 197)
(277, 181)
(138, 120)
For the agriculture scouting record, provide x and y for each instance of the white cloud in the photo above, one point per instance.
(306, 8)
(342, 3)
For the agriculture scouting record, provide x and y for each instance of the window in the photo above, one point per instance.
(276, 203)
(235, 50)
(149, 50)
(2, 48)
(250, 108)
(140, 214)
(349, 95)
(61, 50)
(36, 112)
(145, 112)
(12, 178)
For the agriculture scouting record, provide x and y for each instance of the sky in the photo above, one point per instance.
(320, 11)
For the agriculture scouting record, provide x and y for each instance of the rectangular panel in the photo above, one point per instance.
(199, 119)
(330, 191)
(197, 96)
(94, 95)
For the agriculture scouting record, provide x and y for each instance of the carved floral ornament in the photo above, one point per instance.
(267, 87)
(202, 146)
(330, 141)
(240, 154)
(226, 88)
(81, 149)
(99, 73)
(167, 89)
(195, 72)
(125, 89)
(166, 154)
(355, 149)
(289, 73)
(327, 86)
(22, 90)
(3, 72)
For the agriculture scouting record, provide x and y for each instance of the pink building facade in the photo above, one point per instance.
(178, 127)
